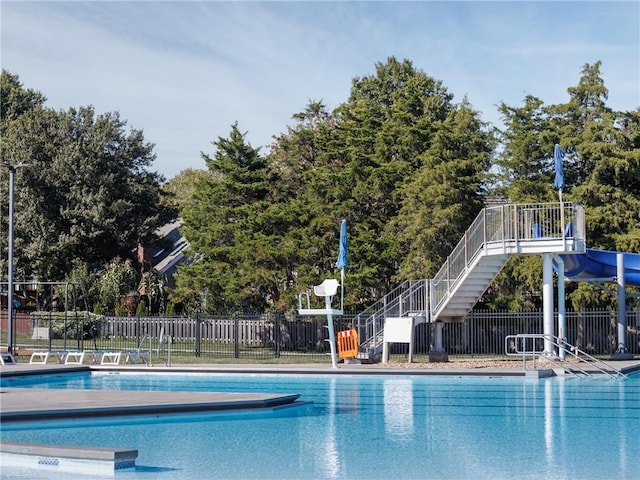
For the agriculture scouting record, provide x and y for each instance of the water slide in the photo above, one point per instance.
(601, 264)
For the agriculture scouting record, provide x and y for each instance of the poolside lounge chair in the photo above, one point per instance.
(7, 359)
(77, 357)
(42, 357)
(111, 358)
(132, 356)
(74, 358)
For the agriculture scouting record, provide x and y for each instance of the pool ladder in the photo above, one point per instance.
(162, 338)
(525, 345)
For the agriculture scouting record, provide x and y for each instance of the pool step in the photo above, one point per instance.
(67, 458)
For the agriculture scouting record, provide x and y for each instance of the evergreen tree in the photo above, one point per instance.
(606, 168)
(386, 126)
(223, 224)
(307, 200)
(178, 191)
(523, 170)
(444, 196)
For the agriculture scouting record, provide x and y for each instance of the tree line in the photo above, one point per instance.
(85, 198)
(406, 165)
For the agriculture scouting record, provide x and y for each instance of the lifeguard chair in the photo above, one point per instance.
(327, 289)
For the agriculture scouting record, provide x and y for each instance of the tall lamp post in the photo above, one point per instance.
(10, 319)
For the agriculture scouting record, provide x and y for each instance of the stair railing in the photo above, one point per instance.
(409, 298)
(525, 345)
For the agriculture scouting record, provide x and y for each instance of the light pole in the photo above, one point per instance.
(10, 319)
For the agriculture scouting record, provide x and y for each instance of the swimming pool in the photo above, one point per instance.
(367, 427)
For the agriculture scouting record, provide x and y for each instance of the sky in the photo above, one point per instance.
(184, 72)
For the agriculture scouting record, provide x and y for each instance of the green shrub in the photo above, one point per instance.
(121, 310)
(142, 310)
(77, 325)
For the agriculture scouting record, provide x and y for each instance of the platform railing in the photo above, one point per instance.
(506, 226)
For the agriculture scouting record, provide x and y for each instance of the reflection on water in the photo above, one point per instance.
(548, 422)
(398, 408)
(330, 448)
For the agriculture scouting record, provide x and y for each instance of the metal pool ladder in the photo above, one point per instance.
(529, 345)
(162, 338)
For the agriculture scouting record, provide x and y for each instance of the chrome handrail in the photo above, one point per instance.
(516, 345)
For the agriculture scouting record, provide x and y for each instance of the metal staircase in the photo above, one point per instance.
(496, 234)
(464, 294)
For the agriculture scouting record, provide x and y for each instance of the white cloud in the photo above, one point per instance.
(185, 71)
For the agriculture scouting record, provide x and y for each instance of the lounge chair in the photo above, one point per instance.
(7, 359)
(111, 358)
(77, 357)
(42, 357)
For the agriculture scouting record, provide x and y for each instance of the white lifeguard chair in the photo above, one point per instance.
(327, 289)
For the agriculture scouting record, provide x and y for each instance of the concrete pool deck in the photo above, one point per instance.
(18, 404)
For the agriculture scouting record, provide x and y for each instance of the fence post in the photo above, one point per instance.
(50, 330)
(80, 332)
(198, 333)
(276, 333)
(236, 335)
(137, 327)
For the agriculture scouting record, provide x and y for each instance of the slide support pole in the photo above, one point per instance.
(547, 302)
(621, 352)
(562, 319)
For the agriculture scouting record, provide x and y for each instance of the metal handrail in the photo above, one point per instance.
(161, 339)
(410, 297)
(520, 340)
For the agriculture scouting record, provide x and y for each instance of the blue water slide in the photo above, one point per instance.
(601, 264)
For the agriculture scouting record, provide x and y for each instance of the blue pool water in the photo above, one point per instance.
(367, 427)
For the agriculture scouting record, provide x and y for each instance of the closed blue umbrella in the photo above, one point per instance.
(343, 259)
(558, 155)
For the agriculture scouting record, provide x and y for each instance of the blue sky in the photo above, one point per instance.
(185, 71)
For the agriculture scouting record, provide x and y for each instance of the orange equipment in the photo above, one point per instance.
(348, 343)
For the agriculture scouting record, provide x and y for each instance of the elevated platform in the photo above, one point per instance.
(24, 404)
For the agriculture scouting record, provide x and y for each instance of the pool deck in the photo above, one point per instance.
(48, 403)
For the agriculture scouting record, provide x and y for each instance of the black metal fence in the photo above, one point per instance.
(268, 336)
